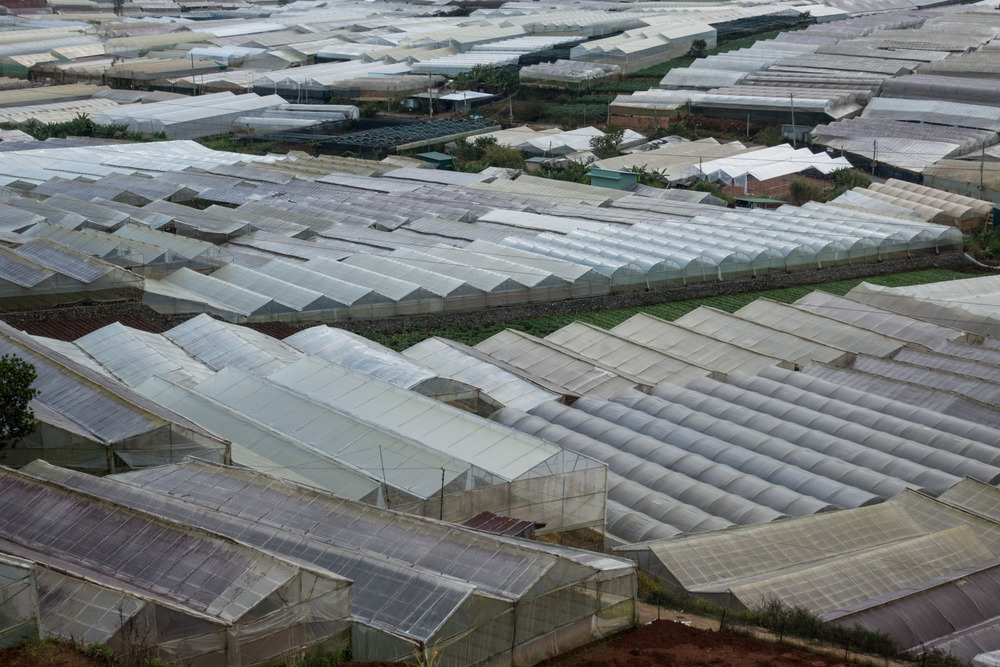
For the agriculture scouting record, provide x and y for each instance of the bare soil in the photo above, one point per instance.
(46, 655)
(668, 643)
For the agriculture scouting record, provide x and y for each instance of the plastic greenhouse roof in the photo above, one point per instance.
(237, 299)
(358, 353)
(692, 347)
(220, 344)
(772, 342)
(130, 549)
(133, 356)
(910, 329)
(260, 447)
(104, 407)
(557, 365)
(450, 360)
(629, 357)
(394, 560)
(805, 324)
(409, 465)
(443, 428)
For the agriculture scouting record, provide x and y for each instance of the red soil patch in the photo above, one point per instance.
(47, 655)
(671, 644)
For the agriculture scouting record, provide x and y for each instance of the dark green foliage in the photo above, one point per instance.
(607, 144)
(484, 152)
(769, 136)
(698, 48)
(16, 418)
(118, 6)
(349, 154)
(984, 244)
(226, 143)
(574, 173)
(368, 110)
(848, 179)
(801, 191)
(584, 113)
(83, 126)
(501, 80)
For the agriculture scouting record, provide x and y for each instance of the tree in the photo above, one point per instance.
(698, 48)
(607, 144)
(16, 418)
(119, 7)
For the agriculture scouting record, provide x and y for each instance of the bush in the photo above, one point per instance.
(698, 48)
(502, 156)
(769, 136)
(574, 173)
(801, 191)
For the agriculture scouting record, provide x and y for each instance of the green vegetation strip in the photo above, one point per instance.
(473, 333)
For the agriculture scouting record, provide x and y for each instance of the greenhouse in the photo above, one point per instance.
(623, 355)
(89, 422)
(18, 601)
(498, 599)
(307, 398)
(190, 118)
(42, 271)
(694, 348)
(749, 334)
(960, 304)
(559, 367)
(192, 596)
(493, 378)
(358, 353)
(819, 328)
(821, 563)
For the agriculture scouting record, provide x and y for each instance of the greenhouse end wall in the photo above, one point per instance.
(562, 502)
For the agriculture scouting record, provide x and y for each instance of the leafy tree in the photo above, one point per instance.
(573, 172)
(489, 78)
(606, 145)
(698, 48)
(119, 7)
(16, 418)
(769, 136)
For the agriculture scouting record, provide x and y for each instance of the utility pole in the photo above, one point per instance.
(430, 97)
(874, 155)
(792, 98)
(510, 108)
(194, 84)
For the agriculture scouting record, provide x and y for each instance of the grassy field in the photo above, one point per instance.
(472, 333)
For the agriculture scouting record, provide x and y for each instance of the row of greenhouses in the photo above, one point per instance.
(190, 563)
(277, 402)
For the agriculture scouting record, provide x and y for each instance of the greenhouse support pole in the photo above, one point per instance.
(791, 97)
(982, 159)
(441, 503)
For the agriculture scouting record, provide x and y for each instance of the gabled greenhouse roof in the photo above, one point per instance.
(621, 354)
(556, 365)
(294, 297)
(360, 444)
(453, 360)
(360, 354)
(692, 347)
(747, 333)
(439, 427)
(337, 289)
(257, 446)
(134, 356)
(108, 410)
(221, 344)
(805, 324)
(201, 572)
(239, 300)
